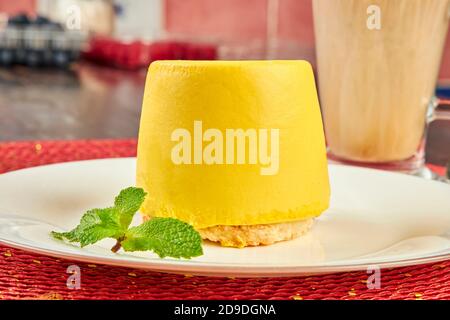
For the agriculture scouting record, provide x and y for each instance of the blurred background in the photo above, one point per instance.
(75, 69)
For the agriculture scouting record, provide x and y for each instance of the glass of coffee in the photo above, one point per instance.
(378, 63)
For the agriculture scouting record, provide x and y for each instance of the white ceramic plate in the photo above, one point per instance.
(375, 218)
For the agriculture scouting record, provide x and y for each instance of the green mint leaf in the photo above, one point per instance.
(95, 225)
(60, 235)
(103, 223)
(166, 237)
(112, 222)
(127, 203)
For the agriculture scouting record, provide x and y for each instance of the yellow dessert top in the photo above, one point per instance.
(232, 143)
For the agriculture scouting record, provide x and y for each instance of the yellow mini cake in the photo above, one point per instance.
(235, 148)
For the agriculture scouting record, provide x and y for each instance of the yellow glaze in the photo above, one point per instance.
(223, 95)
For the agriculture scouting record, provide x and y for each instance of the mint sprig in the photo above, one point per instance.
(167, 237)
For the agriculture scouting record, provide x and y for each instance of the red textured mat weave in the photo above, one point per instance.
(26, 275)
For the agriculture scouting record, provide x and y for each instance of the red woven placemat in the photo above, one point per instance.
(27, 275)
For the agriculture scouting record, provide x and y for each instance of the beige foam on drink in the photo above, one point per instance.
(375, 85)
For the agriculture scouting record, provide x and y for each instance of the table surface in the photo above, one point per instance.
(93, 102)
(31, 276)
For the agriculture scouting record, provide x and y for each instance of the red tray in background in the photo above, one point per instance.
(138, 54)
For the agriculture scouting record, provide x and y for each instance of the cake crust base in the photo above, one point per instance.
(255, 235)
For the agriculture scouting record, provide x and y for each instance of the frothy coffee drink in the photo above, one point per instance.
(375, 84)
